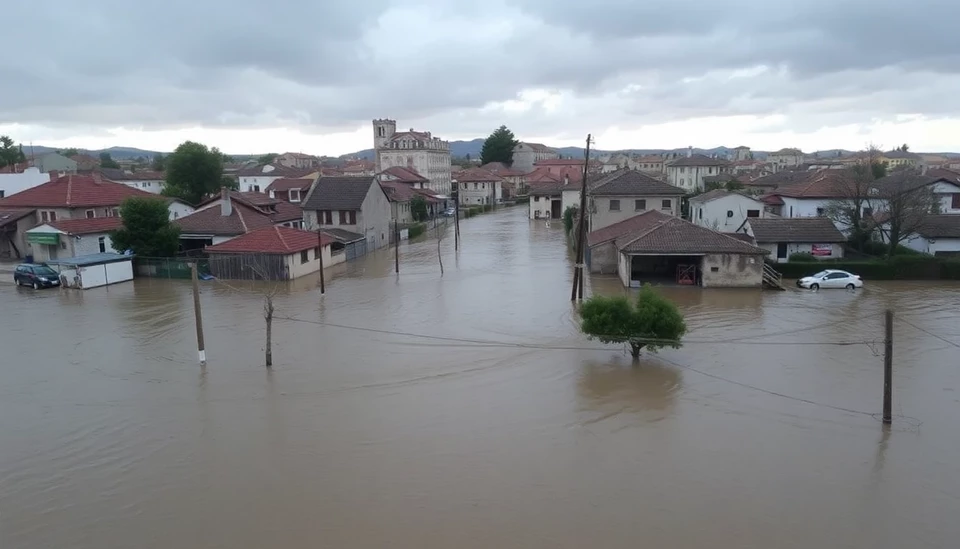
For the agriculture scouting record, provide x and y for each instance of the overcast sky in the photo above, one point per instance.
(308, 75)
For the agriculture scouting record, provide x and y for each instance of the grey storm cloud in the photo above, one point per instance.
(323, 65)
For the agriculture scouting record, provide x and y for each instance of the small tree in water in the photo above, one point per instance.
(652, 321)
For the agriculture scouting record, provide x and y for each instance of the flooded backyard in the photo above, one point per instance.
(467, 411)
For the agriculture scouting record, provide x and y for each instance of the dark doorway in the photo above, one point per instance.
(782, 250)
(555, 206)
(666, 269)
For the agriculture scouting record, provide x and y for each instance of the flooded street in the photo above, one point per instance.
(502, 428)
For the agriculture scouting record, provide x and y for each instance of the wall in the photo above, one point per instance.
(601, 216)
(923, 245)
(570, 198)
(179, 209)
(256, 183)
(482, 194)
(17, 238)
(946, 192)
(298, 269)
(623, 269)
(690, 178)
(374, 218)
(434, 164)
(151, 186)
(733, 271)
(11, 183)
(800, 247)
(603, 258)
(713, 214)
(524, 156)
(88, 244)
(542, 204)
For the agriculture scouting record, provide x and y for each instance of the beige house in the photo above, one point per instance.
(650, 164)
(623, 194)
(901, 159)
(297, 160)
(785, 159)
(688, 172)
(525, 155)
(356, 204)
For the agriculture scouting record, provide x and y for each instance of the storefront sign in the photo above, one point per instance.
(822, 249)
(44, 238)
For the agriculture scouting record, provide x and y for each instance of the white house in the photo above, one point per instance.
(724, 211)
(12, 183)
(783, 237)
(72, 238)
(939, 235)
(688, 172)
(149, 181)
(258, 178)
(477, 186)
(525, 155)
(549, 198)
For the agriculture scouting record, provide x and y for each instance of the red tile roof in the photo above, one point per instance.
(272, 240)
(74, 191)
(286, 184)
(698, 160)
(541, 175)
(406, 175)
(12, 216)
(476, 174)
(501, 169)
(88, 226)
(819, 184)
(242, 219)
(398, 191)
(653, 232)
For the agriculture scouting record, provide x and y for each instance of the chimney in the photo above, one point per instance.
(97, 177)
(566, 179)
(54, 175)
(689, 152)
(226, 207)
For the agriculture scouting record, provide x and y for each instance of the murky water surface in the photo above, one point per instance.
(756, 434)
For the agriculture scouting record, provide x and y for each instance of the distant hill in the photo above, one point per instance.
(117, 153)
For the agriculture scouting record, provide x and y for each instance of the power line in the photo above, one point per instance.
(929, 333)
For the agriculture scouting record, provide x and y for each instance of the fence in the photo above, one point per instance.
(168, 267)
(249, 267)
(899, 268)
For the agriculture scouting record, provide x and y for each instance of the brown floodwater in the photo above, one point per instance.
(504, 428)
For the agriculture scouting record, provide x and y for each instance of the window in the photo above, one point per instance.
(326, 217)
(867, 212)
(44, 217)
(474, 186)
(834, 276)
(343, 217)
(709, 170)
(614, 205)
(297, 224)
(954, 201)
(700, 213)
(115, 212)
(304, 256)
(682, 182)
(666, 204)
(102, 244)
(683, 170)
(753, 213)
(91, 214)
(295, 195)
(256, 188)
(63, 244)
(640, 204)
(1, 193)
(537, 198)
(820, 212)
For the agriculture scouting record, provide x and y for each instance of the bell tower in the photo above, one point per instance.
(383, 130)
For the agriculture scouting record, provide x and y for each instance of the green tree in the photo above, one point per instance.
(568, 216)
(267, 158)
(107, 161)
(193, 172)
(10, 153)
(158, 163)
(229, 182)
(146, 228)
(499, 147)
(418, 208)
(652, 321)
(69, 152)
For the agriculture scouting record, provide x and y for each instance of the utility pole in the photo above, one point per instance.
(268, 316)
(577, 290)
(396, 246)
(320, 257)
(888, 368)
(456, 220)
(196, 312)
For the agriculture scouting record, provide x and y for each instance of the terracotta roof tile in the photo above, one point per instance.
(477, 174)
(272, 240)
(87, 226)
(74, 191)
(559, 162)
(817, 184)
(630, 183)
(286, 184)
(405, 175)
(242, 219)
(678, 236)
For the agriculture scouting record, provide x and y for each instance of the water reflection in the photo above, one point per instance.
(622, 385)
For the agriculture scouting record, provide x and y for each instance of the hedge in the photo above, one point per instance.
(413, 231)
(906, 267)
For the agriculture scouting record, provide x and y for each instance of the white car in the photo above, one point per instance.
(831, 279)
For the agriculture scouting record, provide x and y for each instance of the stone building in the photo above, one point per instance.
(525, 155)
(429, 156)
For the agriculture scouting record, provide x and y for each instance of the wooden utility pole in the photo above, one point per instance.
(577, 290)
(396, 246)
(268, 315)
(456, 220)
(888, 368)
(196, 313)
(320, 257)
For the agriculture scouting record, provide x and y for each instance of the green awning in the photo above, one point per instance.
(43, 238)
